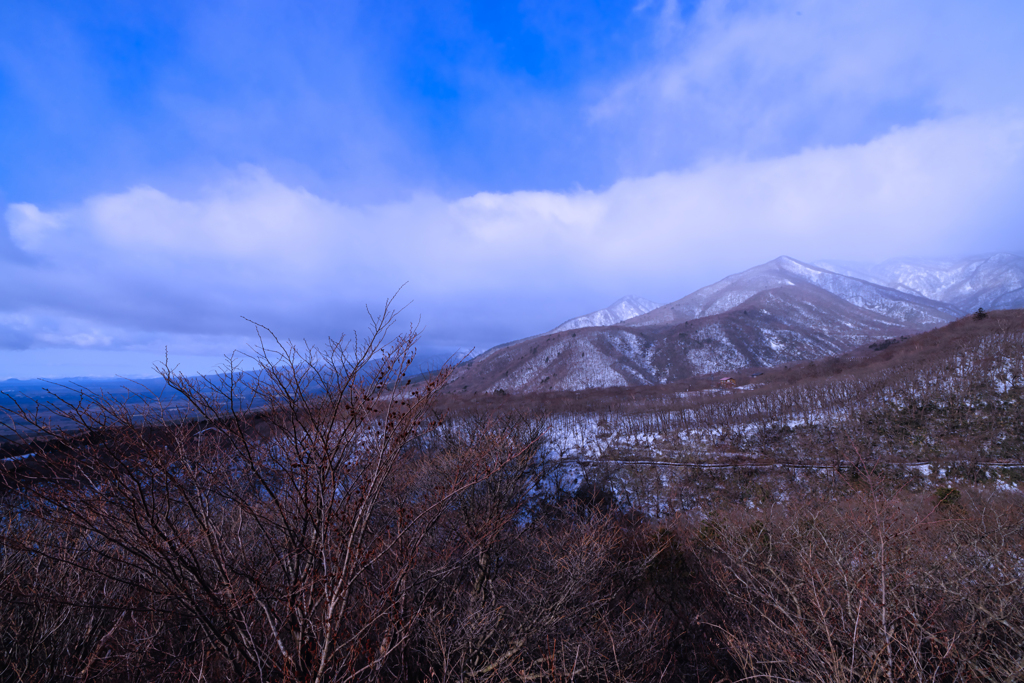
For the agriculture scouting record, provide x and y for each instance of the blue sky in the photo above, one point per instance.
(168, 168)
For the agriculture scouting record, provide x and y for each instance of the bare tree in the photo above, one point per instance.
(284, 512)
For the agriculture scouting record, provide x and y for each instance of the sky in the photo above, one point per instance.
(171, 172)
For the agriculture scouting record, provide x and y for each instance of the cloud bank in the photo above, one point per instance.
(144, 268)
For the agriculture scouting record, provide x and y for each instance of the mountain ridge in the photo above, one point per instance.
(733, 290)
(625, 308)
(782, 311)
(991, 281)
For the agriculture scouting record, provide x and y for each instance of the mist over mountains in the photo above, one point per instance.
(993, 281)
(780, 312)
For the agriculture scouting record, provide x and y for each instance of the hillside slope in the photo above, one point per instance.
(785, 324)
(898, 306)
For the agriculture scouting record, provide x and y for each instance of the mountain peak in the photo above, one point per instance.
(625, 308)
(777, 312)
(731, 292)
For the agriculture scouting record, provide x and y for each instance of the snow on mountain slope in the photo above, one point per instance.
(733, 291)
(625, 308)
(993, 281)
(779, 312)
(780, 325)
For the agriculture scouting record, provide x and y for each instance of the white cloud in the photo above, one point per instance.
(141, 266)
(29, 227)
(768, 78)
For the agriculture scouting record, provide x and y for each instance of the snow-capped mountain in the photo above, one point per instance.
(782, 325)
(625, 308)
(993, 281)
(779, 312)
(899, 306)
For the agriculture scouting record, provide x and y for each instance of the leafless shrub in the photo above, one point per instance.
(876, 588)
(288, 521)
(318, 519)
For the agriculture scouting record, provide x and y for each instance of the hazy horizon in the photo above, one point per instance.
(427, 358)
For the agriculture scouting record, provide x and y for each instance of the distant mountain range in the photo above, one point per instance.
(780, 312)
(995, 281)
